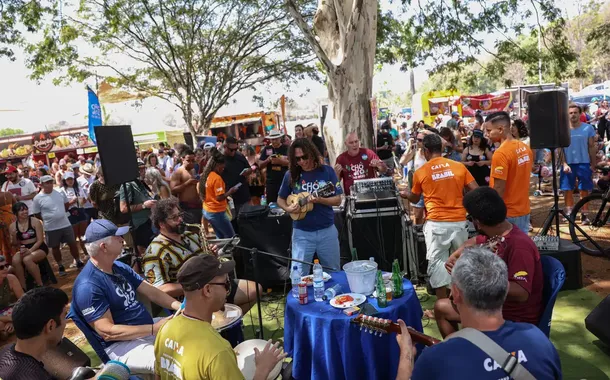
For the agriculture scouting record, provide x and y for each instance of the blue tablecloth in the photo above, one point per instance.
(324, 344)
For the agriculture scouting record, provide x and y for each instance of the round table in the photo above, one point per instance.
(324, 344)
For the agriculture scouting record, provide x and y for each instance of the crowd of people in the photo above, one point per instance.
(491, 283)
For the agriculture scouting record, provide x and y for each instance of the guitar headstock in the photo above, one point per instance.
(375, 325)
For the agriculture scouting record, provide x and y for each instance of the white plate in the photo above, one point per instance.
(358, 300)
(245, 358)
(325, 277)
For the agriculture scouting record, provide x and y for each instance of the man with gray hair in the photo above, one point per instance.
(104, 299)
(479, 289)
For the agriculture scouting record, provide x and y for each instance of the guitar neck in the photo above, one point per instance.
(416, 336)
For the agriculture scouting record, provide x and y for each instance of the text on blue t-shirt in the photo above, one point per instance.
(458, 359)
(95, 292)
(321, 216)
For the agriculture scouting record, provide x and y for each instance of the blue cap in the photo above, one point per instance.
(455, 114)
(102, 228)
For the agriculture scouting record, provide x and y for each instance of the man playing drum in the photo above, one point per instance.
(188, 347)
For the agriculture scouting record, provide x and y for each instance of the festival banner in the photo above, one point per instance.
(95, 113)
(45, 142)
(487, 103)
(283, 111)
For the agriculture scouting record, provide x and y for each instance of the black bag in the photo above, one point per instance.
(121, 218)
(62, 359)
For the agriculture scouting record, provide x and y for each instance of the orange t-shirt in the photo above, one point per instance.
(214, 187)
(512, 162)
(442, 182)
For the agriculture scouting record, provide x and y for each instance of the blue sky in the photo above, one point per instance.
(41, 104)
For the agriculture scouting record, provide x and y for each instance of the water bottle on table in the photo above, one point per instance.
(318, 281)
(382, 300)
(331, 292)
(295, 278)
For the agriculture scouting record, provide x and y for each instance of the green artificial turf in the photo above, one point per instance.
(582, 355)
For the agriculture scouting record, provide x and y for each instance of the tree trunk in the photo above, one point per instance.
(344, 41)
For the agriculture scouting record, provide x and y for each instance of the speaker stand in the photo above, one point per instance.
(556, 211)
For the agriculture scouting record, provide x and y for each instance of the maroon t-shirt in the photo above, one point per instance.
(524, 267)
(357, 167)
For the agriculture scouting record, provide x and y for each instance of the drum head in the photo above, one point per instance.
(245, 359)
(222, 320)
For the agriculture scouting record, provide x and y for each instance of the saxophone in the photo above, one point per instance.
(202, 238)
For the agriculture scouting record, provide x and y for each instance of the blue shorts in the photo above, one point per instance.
(583, 172)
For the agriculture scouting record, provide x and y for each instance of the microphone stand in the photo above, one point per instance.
(254, 255)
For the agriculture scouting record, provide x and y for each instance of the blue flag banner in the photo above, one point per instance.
(95, 114)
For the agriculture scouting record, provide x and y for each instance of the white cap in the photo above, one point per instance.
(68, 175)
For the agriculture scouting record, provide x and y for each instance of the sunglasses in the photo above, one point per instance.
(420, 140)
(304, 157)
(226, 284)
(232, 150)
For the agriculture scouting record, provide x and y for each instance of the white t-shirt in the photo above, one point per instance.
(52, 208)
(84, 184)
(71, 194)
(22, 188)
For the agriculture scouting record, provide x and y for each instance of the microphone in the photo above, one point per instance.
(114, 370)
(230, 246)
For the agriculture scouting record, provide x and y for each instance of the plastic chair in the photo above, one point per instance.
(89, 333)
(554, 277)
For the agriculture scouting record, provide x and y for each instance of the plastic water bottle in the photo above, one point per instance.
(318, 281)
(263, 201)
(331, 292)
(295, 278)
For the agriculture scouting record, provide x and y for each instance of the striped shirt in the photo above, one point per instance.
(164, 257)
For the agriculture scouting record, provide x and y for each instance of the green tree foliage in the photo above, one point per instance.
(19, 16)
(6, 132)
(589, 35)
(452, 35)
(195, 54)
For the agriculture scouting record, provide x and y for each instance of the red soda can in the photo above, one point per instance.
(302, 293)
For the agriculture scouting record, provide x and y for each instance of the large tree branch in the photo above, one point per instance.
(308, 34)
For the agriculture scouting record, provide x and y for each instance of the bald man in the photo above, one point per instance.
(357, 163)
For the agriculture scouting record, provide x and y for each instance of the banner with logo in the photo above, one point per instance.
(95, 113)
(45, 142)
(487, 103)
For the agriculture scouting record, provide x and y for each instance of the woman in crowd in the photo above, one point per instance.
(152, 161)
(211, 189)
(76, 199)
(102, 197)
(413, 159)
(519, 131)
(10, 292)
(6, 218)
(298, 132)
(28, 239)
(452, 146)
(256, 181)
(461, 133)
(477, 157)
(159, 187)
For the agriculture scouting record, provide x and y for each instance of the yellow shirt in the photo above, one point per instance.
(191, 349)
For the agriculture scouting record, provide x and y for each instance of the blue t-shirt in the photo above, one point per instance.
(458, 359)
(321, 216)
(578, 151)
(95, 292)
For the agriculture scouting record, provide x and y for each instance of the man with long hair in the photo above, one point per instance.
(316, 232)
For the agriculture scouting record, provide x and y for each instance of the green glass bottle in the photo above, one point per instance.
(397, 279)
(382, 300)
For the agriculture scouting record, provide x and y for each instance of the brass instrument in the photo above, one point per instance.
(202, 238)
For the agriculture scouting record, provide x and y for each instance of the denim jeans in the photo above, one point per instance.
(324, 242)
(522, 222)
(221, 224)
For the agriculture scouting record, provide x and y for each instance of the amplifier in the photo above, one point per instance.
(373, 185)
(569, 255)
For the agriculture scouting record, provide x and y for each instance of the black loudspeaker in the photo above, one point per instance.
(549, 123)
(117, 154)
(569, 256)
(379, 237)
(62, 359)
(597, 321)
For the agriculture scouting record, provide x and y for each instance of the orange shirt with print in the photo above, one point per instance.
(214, 187)
(442, 182)
(512, 162)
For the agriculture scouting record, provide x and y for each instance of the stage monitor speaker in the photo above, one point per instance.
(366, 234)
(63, 358)
(549, 123)
(117, 154)
(597, 321)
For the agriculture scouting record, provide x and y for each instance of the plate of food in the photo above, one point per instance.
(309, 279)
(343, 301)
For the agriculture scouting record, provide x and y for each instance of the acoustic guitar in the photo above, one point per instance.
(380, 326)
(303, 200)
